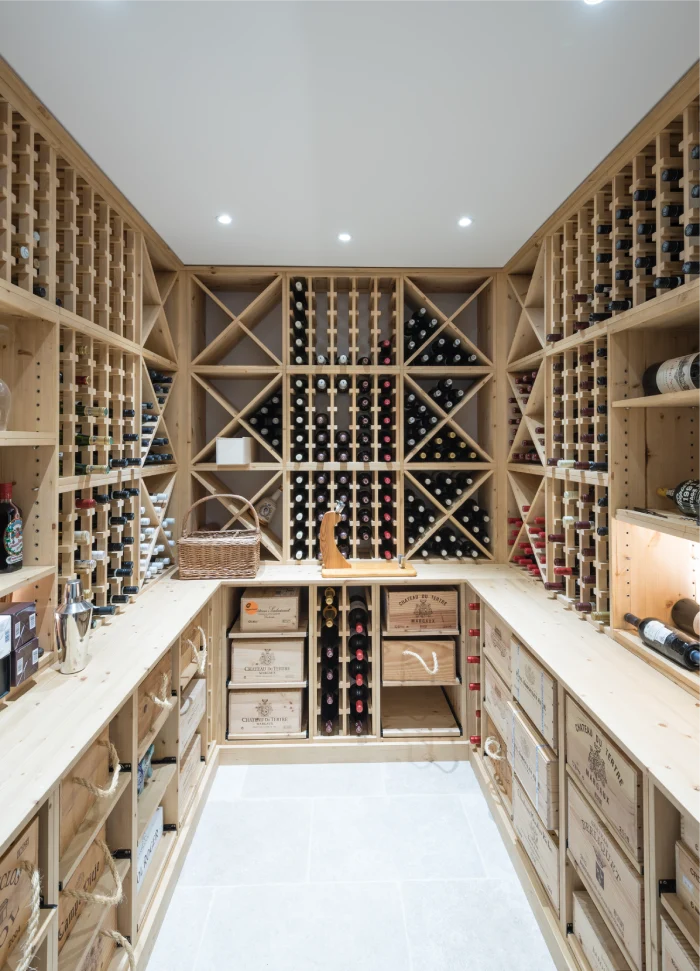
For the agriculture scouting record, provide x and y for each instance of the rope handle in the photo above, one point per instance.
(164, 702)
(33, 922)
(114, 766)
(122, 942)
(492, 748)
(419, 658)
(110, 900)
(199, 656)
(184, 532)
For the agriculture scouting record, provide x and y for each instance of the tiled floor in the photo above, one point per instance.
(394, 867)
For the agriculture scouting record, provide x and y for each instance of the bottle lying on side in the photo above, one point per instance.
(666, 641)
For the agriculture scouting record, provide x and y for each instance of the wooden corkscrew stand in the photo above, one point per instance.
(335, 564)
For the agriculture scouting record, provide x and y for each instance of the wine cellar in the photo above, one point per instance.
(476, 492)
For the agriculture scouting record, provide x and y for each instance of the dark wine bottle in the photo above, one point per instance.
(686, 496)
(11, 551)
(662, 639)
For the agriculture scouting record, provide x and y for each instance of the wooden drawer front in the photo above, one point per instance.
(607, 775)
(188, 771)
(153, 685)
(16, 888)
(497, 701)
(432, 611)
(541, 847)
(86, 877)
(591, 931)
(497, 645)
(537, 769)
(103, 948)
(536, 692)
(687, 879)
(676, 953)
(264, 712)
(616, 886)
(690, 833)
(430, 660)
(192, 710)
(261, 661)
(269, 609)
(75, 799)
(500, 768)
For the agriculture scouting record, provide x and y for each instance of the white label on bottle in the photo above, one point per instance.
(674, 375)
(654, 630)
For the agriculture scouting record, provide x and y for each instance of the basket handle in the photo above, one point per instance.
(220, 495)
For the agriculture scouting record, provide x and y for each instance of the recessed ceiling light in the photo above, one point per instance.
(464, 221)
(344, 237)
(591, 3)
(224, 219)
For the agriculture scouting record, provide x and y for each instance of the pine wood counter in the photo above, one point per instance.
(45, 730)
(653, 720)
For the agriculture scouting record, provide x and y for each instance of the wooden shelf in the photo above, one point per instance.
(266, 736)
(690, 680)
(28, 438)
(301, 631)
(88, 830)
(187, 673)
(674, 309)
(9, 582)
(153, 874)
(154, 732)
(673, 399)
(47, 917)
(668, 522)
(453, 631)
(421, 684)
(153, 795)
(266, 686)
(414, 712)
(90, 922)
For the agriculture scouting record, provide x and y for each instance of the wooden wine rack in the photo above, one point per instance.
(251, 315)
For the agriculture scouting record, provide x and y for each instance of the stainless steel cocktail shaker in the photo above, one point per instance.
(73, 620)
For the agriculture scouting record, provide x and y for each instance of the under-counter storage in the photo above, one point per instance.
(536, 692)
(611, 780)
(593, 937)
(537, 770)
(16, 888)
(268, 659)
(497, 645)
(676, 952)
(498, 703)
(430, 660)
(607, 875)
(271, 712)
(540, 846)
(154, 700)
(433, 610)
(192, 709)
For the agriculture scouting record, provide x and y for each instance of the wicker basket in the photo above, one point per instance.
(219, 554)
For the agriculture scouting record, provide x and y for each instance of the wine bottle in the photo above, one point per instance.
(675, 374)
(357, 616)
(11, 551)
(686, 496)
(662, 639)
(685, 615)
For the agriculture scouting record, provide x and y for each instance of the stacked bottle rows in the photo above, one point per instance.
(58, 238)
(98, 545)
(155, 443)
(316, 341)
(343, 419)
(579, 408)
(637, 238)
(428, 437)
(527, 540)
(527, 431)
(577, 545)
(157, 535)
(344, 662)
(367, 529)
(422, 347)
(98, 425)
(452, 526)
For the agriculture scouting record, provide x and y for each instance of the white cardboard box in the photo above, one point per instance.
(234, 451)
(147, 845)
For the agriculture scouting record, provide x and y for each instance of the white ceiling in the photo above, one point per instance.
(387, 120)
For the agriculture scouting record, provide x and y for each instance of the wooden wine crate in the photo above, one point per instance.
(497, 702)
(75, 800)
(612, 781)
(433, 611)
(269, 609)
(103, 948)
(497, 645)
(690, 833)
(188, 769)
(541, 847)
(15, 889)
(86, 877)
(688, 878)
(536, 692)
(676, 952)
(609, 877)
(431, 660)
(597, 943)
(537, 769)
(501, 769)
(150, 686)
(263, 660)
(192, 710)
(265, 712)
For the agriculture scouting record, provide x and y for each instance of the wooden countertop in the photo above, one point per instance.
(652, 719)
(36, 749)
(271, 574)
